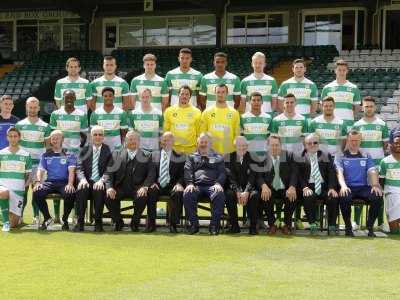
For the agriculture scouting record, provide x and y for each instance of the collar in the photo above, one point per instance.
(96, 148)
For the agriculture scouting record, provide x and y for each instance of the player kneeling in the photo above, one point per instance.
(15, 171)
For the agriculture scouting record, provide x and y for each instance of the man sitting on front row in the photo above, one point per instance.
(241, 185)
(205, 176)
(92, 163)
(60, 168)
(130, 174)
(276, 181)
(353, 169)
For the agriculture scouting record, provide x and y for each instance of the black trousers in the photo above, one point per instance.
(175, 204)
(50, 187)
(98, 198)
(364, 193)
(310, 206)
(139, 204)
(278, 197)
(251, 206)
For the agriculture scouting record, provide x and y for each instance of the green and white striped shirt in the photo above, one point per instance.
(149, 125)
(33, 136)
(291, 131)
(211, 80)
(157, 86)
(120, 86)
(345, 95)
(331, 133)
(13, 169)
(373, 135)
(71, 125)
(390, 171)
(176, 78)
(266, 86)
(112, 123)
(305, 92)
(81, 87)
(256, 130)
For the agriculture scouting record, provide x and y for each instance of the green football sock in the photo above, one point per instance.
(4, 206)
(380, 216)
(57, 205)
(357, 214)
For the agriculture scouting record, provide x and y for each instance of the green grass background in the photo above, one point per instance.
(67, 265)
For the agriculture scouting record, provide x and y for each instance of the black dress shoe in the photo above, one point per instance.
(253, 231)
(193, 230)
(98, 228)
(119, 225)
(233, 230)
(213, 230)
(349, 232)
(134, 227)
(172, 229)
(150, 229)
(371, 233)
(65, 226)
(79, 227)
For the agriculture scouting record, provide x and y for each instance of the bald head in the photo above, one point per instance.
(32, 107)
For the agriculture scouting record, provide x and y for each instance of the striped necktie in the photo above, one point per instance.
(277, 182)
(164, 170)
(315, 174)
(95, 165)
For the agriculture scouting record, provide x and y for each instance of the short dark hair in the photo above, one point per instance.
(369, 99)
(299, 61)
(275, 137)
(222, 85)
(221, 54)
(289, 95)
(186, 51)
(108, 89)
(110, 57)
(328, 99)
(13, 129)
(341, 62)
(185, 87)
(255, 94)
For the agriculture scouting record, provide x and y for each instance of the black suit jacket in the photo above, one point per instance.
(288, 170)
(176, 167)
(240, 176)
(326, 168)
(84, 165)
(143, 169)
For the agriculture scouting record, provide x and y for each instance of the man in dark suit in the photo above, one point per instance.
(169, 167)
(317, 181)
(240, 186)
(92, 164)
(277, 181)
(130, 174)
(205, 176)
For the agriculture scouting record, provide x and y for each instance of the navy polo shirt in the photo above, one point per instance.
(57, 164)
(5, 124)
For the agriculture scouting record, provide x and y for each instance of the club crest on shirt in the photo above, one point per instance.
(363, 163)
(174, 115)
(63, 161)
(229, 115)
